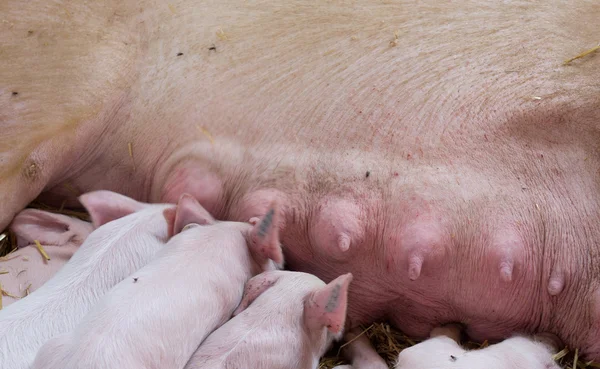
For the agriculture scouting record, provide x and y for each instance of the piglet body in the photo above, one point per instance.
(286, 320)
(25, 270)
(128, 235)
(158, 316)
(442, 351)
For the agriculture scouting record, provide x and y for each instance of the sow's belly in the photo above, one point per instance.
(413, 145)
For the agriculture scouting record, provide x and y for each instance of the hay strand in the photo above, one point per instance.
(206, 134)
(41, 250)
(354, 339)
(8, 294)
(583, 54)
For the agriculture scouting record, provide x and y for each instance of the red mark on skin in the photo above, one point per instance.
(408, 156)
(486, 139)
(396, 174)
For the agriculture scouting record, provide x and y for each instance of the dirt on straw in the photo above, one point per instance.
(387, 341)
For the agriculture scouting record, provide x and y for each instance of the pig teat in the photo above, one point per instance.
(337, 226)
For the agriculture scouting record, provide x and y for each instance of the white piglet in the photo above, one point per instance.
(443, 351)
(26, 269)
(286, 320)
(158, 317)
(128, 235)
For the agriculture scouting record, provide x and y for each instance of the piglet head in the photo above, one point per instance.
(106, 206)
(263, 238)
(325, 308)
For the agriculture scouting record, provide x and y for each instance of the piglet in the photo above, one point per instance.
(26, 269)
(285, 320)
(128, 235)
(443, 350)
(158, 316)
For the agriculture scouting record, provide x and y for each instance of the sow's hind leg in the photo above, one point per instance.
(56, 77)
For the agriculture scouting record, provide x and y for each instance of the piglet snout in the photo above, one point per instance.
(551, 340)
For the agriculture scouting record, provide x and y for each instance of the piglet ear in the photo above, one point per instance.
(263, 240)
(254, 288)
(326, 307)
(106, 206)
(32, 225)
(189, 211)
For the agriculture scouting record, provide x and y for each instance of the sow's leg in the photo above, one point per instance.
(64, 72)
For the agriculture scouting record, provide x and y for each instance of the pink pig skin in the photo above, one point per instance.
(59, 235)
(129, 233)
(443, 351)
(158, 316)
(286, 320)
(361, 353)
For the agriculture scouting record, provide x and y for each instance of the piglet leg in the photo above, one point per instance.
(361, 353)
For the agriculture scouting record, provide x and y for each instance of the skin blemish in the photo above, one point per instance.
(31, 171)
(452, 358)
(135, 279)
(29, 33)
(367, 174)
(394, 42)
(332, 303)
(212, 48)
(266, 223)
(179, 54)
(15, 93)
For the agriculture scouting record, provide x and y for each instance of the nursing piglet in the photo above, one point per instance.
(443, 350)
(285, 320)
(127, 237)
(26, 269)
(158, 317)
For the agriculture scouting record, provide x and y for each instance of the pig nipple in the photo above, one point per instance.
(507, 250)
(421, 242)
(337, 226)
(414, 267)
(506, 270)
(556, 282)
(343, 242)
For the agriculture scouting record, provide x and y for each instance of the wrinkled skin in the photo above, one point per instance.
(451, 167)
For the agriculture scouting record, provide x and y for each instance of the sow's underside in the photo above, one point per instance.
(387, 340)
